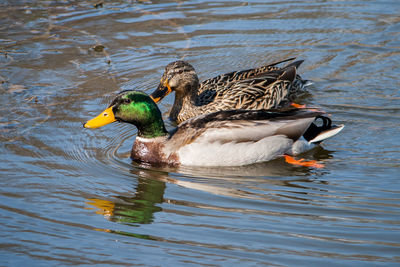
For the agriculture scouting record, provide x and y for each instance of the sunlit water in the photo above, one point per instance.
(72, 196)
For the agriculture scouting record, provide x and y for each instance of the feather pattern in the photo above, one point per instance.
(237, 137)
(229, 137)
(266, 87)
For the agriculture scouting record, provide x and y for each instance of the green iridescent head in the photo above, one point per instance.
(136, 108)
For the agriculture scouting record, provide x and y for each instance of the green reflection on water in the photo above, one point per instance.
(136, 210)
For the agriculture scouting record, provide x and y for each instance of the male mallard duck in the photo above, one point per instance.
(224, 138)
(266, 87)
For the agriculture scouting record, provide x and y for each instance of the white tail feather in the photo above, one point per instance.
(327, 134)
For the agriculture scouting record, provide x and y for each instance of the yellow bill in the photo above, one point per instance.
(104, 118)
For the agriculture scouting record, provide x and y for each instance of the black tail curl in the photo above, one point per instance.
(314, 130)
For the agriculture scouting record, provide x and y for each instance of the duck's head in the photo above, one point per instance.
(179, 76)
(132, 107)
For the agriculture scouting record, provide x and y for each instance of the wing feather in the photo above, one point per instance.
(242, 126)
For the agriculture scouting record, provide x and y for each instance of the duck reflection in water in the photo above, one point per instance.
(138, 209)
(149, 192)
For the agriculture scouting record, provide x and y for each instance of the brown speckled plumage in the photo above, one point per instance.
(266, 87)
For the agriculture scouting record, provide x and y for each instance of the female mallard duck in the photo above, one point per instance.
(266, 87)
(224, 138)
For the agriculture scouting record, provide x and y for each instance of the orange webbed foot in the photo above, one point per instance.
(303, 162)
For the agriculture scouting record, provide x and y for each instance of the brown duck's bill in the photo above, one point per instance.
(162, 91)
(104, 118)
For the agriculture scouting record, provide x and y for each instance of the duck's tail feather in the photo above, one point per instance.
(316, 134)
(282, 61)
(289, 74)
(295, 64)
(299, 83)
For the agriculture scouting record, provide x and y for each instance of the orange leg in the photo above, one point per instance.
(297, 105)
(303, 162)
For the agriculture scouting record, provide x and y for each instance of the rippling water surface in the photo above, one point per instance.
(72, 196)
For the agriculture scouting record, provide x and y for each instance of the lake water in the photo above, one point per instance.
(72, 196)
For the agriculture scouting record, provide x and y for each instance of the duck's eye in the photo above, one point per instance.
(127, 101)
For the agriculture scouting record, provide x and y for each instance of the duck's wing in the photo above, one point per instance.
(264, 92)
(243, 126)
(261, 77)
(235, 76)
(238, 137)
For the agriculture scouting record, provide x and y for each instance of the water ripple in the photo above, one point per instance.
(65, 189)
